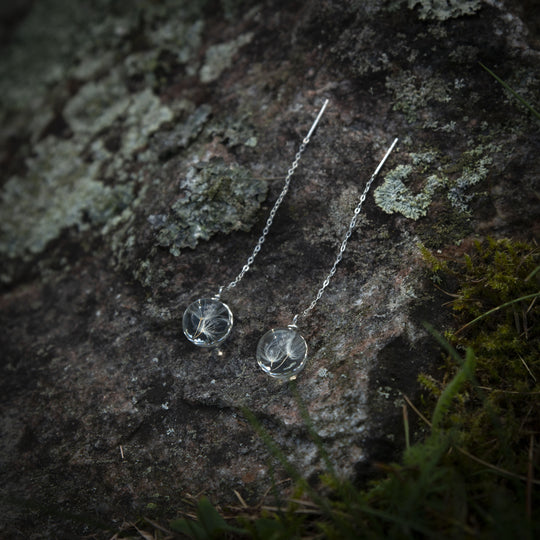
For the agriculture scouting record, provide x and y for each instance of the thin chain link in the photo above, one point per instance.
(348, 234)
(277, 204)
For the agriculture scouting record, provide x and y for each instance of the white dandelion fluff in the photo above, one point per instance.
(207, 322)
(282, 353)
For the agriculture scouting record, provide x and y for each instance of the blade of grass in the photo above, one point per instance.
(415, 409)
(512, 91)
(343, 488)
(533, 273)
(406, 427)
(274, 449)
(499, 470)
(535, 295)
(464, 374)
(530, 475)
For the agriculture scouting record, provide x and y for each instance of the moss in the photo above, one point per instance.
(468, 477)
(450, 227)
(498, 318)
(216, 198)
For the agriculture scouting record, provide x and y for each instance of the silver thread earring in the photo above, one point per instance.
(207, 322)
(282, 352)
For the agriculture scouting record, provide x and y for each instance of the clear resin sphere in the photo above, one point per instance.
(282, 353)
(207, 322)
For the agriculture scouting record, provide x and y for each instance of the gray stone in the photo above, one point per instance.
(141, 151)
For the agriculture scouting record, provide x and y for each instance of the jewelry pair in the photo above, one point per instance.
(281, 352)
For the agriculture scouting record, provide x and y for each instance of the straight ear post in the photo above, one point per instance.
(314, 126)
(388, 152)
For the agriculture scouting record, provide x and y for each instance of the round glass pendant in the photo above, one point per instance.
(207, 322)
(282, 353)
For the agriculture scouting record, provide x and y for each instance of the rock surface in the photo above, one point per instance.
(141, 149)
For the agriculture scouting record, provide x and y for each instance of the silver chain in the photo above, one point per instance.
(277, 204)
(348, 234)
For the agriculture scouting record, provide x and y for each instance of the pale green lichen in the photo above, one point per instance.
(220, 57)
(91, 173)
(441, 10)
(394, 196)
(412, 95)
(182, 133)
(27, 72)
(424, 159)
(216, 198)
(144, 115)
(234, 131)
(59, 191)
(183, 38)
(474, 170)
(97, 105)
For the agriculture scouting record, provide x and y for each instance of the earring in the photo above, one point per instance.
(207, 322)
(282, 352)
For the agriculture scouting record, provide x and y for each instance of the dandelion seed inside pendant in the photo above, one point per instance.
(208, 321)
(282, 353)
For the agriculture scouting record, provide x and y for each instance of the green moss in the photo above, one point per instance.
(217, 198)
(450, 227)
(499, 315)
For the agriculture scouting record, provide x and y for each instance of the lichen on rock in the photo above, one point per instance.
(112, 145)
(475, 162)
(394, 196)
(413, 95)
(216, 198)
(60, 188)
(59, 191)
(220, 57)
(170, 142)
(441, 10)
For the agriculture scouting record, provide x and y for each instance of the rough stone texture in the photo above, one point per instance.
(119, 121)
